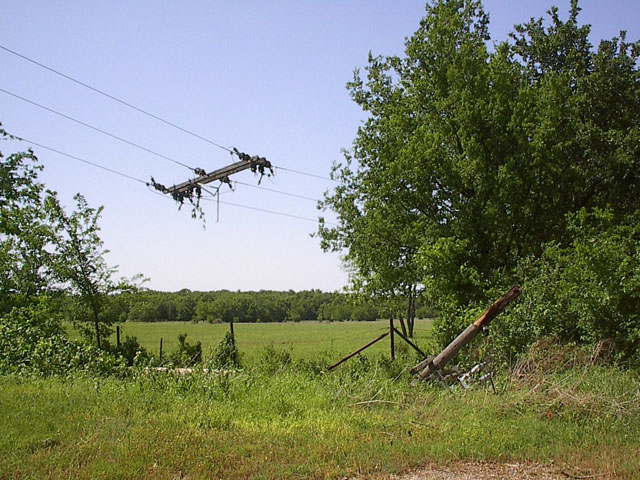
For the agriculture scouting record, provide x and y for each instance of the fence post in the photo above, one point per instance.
(160, 348)
(391, 330)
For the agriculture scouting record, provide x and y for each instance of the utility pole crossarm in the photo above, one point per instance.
(254, 163)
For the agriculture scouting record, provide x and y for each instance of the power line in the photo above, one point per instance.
(305, 173)
(144, 112)
(277, 191)
(83, 160)
(264, 210)
(128, 142)
(116, 99)
(148, 185)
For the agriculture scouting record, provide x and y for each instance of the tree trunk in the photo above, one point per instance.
(403, 326)
(97, 324)
(411, 311)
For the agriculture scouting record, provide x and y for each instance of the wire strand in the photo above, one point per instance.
(104, 132)
(299, 172)
(82, 160)
(276, 191)
(116, 99)
(264, 210)
(140, 110)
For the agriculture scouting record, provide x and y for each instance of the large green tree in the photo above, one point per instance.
(471, 157)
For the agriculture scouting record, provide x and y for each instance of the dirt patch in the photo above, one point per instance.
(493, 471)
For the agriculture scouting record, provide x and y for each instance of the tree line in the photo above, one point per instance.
(227, 306)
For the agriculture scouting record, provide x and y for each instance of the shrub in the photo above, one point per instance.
(273, 360)
(130, 350)
(584, 292)
(32, 342)
(186, 355)
(226, 354)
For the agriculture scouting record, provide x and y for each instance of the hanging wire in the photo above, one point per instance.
(299, 172)
(102, 167)
(302, 197)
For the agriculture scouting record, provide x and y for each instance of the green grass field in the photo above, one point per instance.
(302, 340)
(357, 422)
(289, 420)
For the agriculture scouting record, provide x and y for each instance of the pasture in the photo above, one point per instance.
(290, 420)
(302, 340)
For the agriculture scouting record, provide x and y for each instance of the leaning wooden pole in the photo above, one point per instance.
(467, 335)
(359, 350)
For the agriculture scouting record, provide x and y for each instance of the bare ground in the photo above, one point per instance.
(494, 471)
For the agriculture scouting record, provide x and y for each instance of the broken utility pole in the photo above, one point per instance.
(430, 366)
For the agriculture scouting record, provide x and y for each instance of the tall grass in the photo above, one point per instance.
(284, 419)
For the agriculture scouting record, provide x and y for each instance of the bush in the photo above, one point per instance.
(130, 350)
(226, 354)
(32, 342)
(186, 355)
(273, 360)
(585, 293)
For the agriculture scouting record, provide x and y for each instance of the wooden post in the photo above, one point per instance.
(161, 348)
(118, 336)
(467, 335)
(391, 330)
(358, 351)
(231, 329)
(411, 344)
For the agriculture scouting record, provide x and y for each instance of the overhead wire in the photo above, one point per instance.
(145, 112)
(97, 165)
(104, 132)
(264, 210)
(148, 185)
(116, 99)
(255, 208)
(294, 195)
(299, 172)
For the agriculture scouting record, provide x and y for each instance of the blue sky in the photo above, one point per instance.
(265, 77)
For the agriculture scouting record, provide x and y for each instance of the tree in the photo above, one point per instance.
(27, 229)
(471, 159)
(81, 268)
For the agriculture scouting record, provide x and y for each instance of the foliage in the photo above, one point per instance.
(27, 229)
(470, 160)
(226, 353)
(32, 342)
(130, 350)
(44, 249)
(585, 292)
(245, 307)
(273, 360)
(81, 268)
(186, 355)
